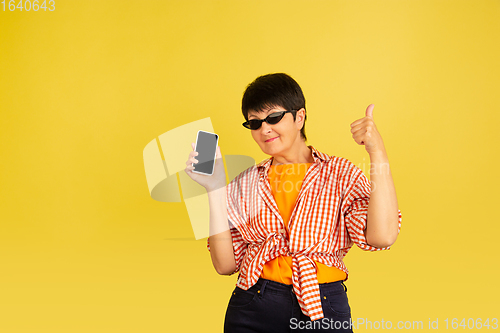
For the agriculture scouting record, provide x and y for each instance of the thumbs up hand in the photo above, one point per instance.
(364, 132)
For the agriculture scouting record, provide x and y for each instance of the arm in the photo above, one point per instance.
(221, 241)
(383, 214)
(224, 258)
(383, 219)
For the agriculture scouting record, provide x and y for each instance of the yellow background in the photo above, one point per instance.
(83, 89)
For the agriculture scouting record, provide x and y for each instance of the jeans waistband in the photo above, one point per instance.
(279, 288)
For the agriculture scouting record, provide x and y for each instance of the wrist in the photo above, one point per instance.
(217, 189)
(378, 154)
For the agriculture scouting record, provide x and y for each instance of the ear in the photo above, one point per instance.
(300, 118)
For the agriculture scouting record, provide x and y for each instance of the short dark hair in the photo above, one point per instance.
(273, 90)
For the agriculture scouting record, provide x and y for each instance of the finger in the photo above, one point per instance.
(357, 128)
(192, 145)
(366, 122)
(357, 122)
(369, 110)
(360, 131)
(359, 138)
(191, 160)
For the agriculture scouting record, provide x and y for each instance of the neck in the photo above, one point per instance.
(300, 153)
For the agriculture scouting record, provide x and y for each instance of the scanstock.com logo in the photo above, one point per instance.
(164, 163)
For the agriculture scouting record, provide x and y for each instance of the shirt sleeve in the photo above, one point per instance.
(236, 216)
(356, 214)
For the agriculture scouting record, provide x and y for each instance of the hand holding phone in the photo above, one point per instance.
(205, 164)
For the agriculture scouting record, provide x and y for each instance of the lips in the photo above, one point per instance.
(270, 140)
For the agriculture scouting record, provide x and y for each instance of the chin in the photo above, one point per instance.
(271, 150)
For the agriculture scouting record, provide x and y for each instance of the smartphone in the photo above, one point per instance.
(206, 145)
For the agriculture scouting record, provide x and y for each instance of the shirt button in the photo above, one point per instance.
(282, 231)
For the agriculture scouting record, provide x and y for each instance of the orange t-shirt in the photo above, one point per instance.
(286, 181)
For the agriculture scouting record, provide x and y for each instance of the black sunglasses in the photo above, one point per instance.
(272, 119)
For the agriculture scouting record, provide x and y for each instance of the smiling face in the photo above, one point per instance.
(280, 138)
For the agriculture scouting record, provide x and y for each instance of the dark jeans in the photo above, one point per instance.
(270, 306)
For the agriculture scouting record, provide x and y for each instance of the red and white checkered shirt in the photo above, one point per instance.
(328, 218)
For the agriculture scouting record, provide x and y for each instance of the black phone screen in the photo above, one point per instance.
(206, 144)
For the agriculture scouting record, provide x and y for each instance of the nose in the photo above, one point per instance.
(265, 128)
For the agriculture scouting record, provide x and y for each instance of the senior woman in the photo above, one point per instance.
(286, 223)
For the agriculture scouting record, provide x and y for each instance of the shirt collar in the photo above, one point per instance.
(317, 156)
